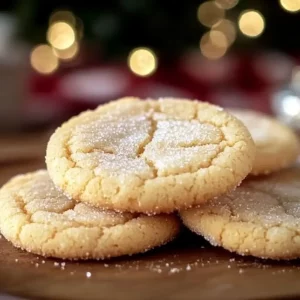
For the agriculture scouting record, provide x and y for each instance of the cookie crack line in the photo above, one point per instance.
(250, 249)
(147, 141)
(74, 224)
(149, 113)
(236, 218)
(118, 181)
(49, 227)
(150, 117)
(275, 197)
(102, 228)
(151, 133)
(150, 163)
(211, 163)
(260, 224)
(69, 152)
(22, 205)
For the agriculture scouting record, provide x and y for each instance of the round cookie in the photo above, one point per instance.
(260, 218)
(36, 217)
(150, 156)
(277, 145)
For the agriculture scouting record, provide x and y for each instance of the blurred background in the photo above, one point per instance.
(58, 58)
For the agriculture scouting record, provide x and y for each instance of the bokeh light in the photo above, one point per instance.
(62, 16)
(251, 23)
(67, 54)
(227, 4)
(61, 35)
(228, 28)
(209, 13)
(43, 60)
(218, 39)
(290, 5)
(142, 61)
(213, 45)
(291, 105)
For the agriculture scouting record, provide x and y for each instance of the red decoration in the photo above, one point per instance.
(233, 81)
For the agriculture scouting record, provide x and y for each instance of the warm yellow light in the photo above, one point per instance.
(209, 13)
(61, 35)
(227, 4)
(290, 5)
(251, 23)
(43, 60)
(227, 28)
(213, 45)
(142, 61)
(218, 39)
(63, 16)
(68, 53)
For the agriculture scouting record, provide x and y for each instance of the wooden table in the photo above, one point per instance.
(188, 268)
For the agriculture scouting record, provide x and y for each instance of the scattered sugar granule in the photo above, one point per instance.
(88, 274)
(174, 270)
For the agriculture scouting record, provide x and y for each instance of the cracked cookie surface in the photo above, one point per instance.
(38, 218)
(150, 156)
(277, 146)
(260, 218)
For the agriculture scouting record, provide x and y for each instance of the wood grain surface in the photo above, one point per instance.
(18, 148)
(188, 268)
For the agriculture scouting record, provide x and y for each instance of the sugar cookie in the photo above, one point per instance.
(150, 156)
(277, 145)
(260, 218)
(35, 216)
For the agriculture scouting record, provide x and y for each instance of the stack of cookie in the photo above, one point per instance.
(118, 176)
(262, 216)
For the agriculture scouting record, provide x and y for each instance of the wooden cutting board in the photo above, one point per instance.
(188, 268)
(24, 146)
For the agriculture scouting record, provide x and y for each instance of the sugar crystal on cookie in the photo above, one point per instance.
(260, 218)
(139, 155)
(51, 225)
